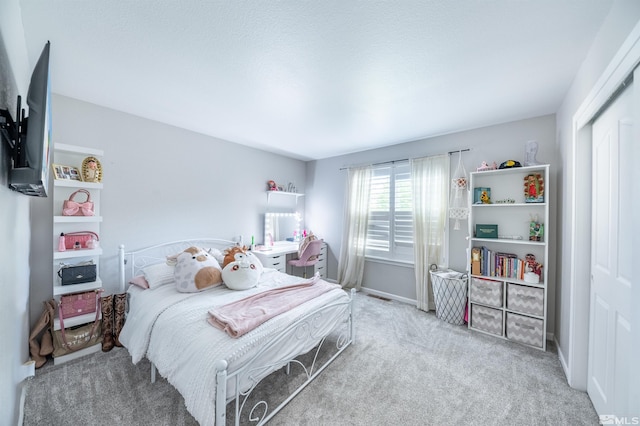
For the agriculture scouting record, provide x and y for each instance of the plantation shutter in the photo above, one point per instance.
(390, 230)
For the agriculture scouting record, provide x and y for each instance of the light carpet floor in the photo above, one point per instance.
(406, 368)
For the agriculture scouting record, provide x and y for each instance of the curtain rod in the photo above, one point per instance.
(377, 164)
(405, 159)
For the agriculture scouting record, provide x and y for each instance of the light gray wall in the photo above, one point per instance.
(326, 184)
(15, 230)
(624, 15)
(162, 183)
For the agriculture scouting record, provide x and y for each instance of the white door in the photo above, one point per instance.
(611, 261)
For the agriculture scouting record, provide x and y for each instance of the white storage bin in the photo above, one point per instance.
(528, 300)
(525, 329)
(487, 292)
(486, 319)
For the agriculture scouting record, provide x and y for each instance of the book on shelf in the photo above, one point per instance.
(496, 264)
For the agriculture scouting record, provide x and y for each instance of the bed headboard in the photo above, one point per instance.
(132, 262)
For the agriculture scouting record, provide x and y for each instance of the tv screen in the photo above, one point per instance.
(30, 172)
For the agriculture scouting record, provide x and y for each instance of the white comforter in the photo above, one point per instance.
(171, 330)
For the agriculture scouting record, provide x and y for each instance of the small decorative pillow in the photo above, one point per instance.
(139, 281)
(196, 270)
(242, 273)
(158, 274)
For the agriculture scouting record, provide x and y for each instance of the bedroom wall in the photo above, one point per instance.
(622, 18)
(162, 183)
(14, 225)
(326, 184)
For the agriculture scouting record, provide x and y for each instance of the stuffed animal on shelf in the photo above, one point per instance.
(243, 273)
(195, 270)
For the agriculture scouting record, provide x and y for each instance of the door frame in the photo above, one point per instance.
(622, 64)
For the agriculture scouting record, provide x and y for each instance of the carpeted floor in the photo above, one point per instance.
(406, 367)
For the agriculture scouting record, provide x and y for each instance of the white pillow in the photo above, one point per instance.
(217, 255)
(158, 274)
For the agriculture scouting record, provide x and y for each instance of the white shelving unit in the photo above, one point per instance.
(71, 155)
(283, 194)
(503, 306)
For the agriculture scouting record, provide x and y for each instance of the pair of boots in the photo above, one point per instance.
(113, 311)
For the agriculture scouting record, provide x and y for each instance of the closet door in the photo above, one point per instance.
(610, 320)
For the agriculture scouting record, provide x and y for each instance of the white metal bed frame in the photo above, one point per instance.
(132, 263)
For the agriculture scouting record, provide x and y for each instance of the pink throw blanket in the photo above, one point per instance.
(240, 317)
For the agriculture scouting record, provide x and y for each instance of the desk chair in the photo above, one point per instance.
(308, 257)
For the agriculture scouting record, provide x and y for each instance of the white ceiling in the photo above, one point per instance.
(315, 79)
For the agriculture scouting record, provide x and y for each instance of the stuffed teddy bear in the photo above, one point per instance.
(243, 273)
(196, 270)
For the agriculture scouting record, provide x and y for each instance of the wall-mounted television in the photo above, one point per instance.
(30, 137)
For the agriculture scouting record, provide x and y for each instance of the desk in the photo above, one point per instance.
(276, 257)
(280, 252)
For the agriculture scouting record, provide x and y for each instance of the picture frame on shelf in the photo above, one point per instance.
(91, 170)
(66, 172)
(534, 188)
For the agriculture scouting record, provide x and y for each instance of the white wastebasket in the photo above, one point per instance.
(450, 294)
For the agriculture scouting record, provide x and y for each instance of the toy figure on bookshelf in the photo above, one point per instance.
(532, 265)
(536, 229)
(484, 167)
(530, 151)
(481, 195)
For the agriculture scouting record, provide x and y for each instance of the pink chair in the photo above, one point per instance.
(308, 257)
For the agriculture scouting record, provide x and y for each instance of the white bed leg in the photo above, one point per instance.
(287, 368)
(153, 373)
(221, 392)
(352, 325)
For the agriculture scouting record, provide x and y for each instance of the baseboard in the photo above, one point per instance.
(388, 296)
(23, 397)
(563, 362)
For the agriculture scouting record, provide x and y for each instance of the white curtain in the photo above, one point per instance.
(356, 219)
(430, 179)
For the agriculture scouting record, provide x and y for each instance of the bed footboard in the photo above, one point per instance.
(315, 361)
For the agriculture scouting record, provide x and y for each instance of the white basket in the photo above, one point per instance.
(450, 294)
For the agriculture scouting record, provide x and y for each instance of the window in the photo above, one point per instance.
(390, 230)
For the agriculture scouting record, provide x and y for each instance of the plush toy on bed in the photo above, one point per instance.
(195, 270)
(243, 272)
(230, 253)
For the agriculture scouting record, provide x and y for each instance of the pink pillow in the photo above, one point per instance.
(140, 281)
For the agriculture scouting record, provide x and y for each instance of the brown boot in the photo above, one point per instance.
(119, 307)
(106, 304)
